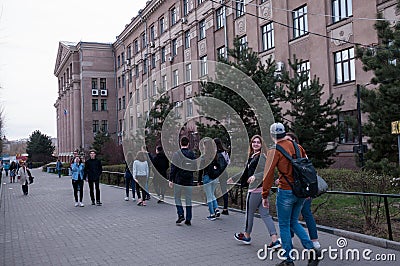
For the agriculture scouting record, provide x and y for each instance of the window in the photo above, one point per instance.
(94, 83)
(344, 66)
(136, 46)
(123, 80)
(137, 70)
(152, 34)
(153, 60)
(163, 55)
(220, 17)
(120, 125)
(144, 41)
(154, 88)
(300, 26)
(162, 25)
(122, 58)
(203, 66)
(104, 125)
(123, 102)
(341, 9)
(119, 82)
(95, 104)
(173, 16)
(103, 105)
(129, 52)
(347, 121)
(103, 84)
(137, 96)
(164, 83)
(243, 43)
(175, 78)
(185, 7)
(221, 52)
(304, 69)
(267, 33)
(174, 47)
(188, 72)
(145, 66)
(239, 8)
(199, 2)
(119, 104)
(187, 39)
(202, 29)
(189, 108)
(130, 75)
(145, 92)
(95, 126)
(119, 61)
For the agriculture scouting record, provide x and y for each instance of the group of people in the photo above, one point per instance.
(20, 171)
(259, 177)
(89, 171)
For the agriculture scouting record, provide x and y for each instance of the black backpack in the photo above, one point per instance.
(305, 177)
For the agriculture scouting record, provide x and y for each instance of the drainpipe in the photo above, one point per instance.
(225, 32)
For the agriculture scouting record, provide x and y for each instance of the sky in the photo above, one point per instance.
(30, 32)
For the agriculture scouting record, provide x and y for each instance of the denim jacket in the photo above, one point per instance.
(78, 169)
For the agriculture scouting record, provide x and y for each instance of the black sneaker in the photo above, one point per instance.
(99, 203)
(314, 260)
(285, 263)
(180, 219)
(187, 222)
(225, 212)
(217, 213)
(93, 203)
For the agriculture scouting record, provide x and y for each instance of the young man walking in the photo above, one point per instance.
(287, 204)
(181, 178)
(93, 170)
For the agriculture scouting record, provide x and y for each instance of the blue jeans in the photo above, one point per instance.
(188, 201)
(130, 182)
(288, 207)
(209, 187)
(309, 219)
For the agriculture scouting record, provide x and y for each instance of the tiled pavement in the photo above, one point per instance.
(44, 228)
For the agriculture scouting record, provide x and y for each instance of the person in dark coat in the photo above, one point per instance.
(161, 165)
(93, 170)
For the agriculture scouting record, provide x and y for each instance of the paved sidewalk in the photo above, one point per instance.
(44, 228)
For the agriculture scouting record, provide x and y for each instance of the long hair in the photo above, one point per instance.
(220, 147)
(141, 156)
(263, 147)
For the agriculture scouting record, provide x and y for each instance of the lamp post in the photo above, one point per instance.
(360, 145)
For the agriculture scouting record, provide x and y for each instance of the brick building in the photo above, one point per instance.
(167, 33)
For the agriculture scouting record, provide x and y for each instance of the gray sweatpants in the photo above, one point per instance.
(254, 202)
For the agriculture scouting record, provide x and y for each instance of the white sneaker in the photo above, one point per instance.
(316, 244)
(76, 204)
(126, 198)
(133, 199)
(81, 204)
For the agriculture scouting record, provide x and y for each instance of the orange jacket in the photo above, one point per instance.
(276, 159)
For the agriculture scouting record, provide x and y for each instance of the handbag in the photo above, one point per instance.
(322, 186)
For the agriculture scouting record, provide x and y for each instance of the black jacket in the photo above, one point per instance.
(255, 166)
(161, 164)
(178, 175)
(93, 169)
(214, 169)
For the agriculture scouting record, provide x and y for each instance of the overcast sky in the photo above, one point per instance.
(29, 35)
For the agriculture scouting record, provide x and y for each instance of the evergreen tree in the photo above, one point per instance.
(247, 61)
(313, 121)
(382, 103)
(39, 147)
(98, 144)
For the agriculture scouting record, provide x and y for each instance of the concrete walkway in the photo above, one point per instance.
(44, 228)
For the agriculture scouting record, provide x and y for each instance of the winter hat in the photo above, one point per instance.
(277, 130)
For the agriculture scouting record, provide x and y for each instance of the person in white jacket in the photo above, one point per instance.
(140, 172)
(23, 176)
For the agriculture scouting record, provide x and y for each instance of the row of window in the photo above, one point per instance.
(97, 127)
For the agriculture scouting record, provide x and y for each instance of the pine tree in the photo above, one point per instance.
(313, 121)
(99, 141)
(39, 147)
(247, 61)
(382, 103)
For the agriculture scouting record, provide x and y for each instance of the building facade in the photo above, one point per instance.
(155, 49)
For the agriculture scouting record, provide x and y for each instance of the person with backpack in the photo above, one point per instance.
(224, 177)
(23, 177)
(212, 166)
(306, 210)
(161, 165)
(288, 205)
(181, 178)
(252, 178)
